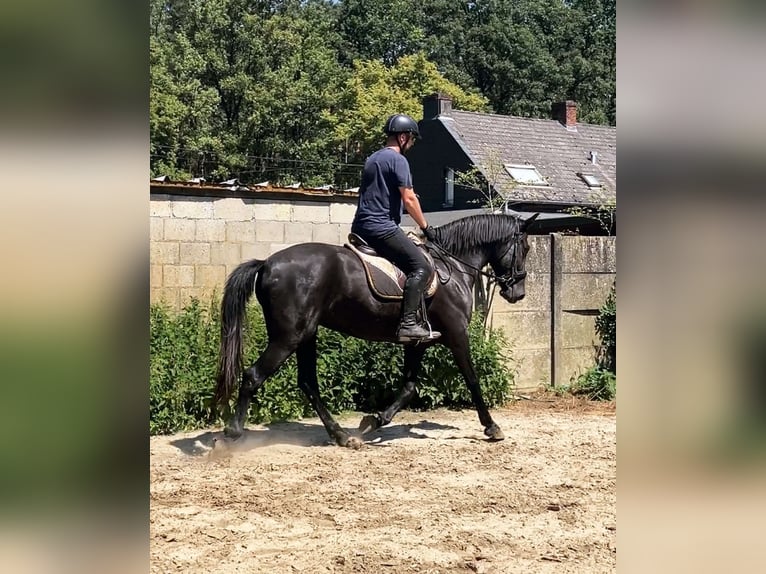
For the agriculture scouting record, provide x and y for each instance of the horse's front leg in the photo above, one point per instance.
(413, 358)
(461, 351)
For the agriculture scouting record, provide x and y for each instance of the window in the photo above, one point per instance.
(591, 180)
(525, 174)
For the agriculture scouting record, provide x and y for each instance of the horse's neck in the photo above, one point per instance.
(470, 262)
(477, 258)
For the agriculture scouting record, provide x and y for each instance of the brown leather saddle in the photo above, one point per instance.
(384, 278)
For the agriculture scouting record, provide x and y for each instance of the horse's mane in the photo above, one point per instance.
(464, 235)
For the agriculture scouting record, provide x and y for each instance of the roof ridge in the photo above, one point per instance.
(493, 115)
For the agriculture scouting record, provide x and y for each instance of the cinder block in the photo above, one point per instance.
(159, 206)
(200, 293)
(240, 231)
(193, 207)
(270, 231)
(179, 230)
(297, 233)
(178, 275)
(342, 212)
(258, 250)
(232, 209)
(195, 253)
(266, 210)
(311, 212)
(155, 276)
(210, 276)
(155, 228)
(168, 296)
(345, 229)
(163, 252)
(210, 230)
(225, 253)
(326, 233)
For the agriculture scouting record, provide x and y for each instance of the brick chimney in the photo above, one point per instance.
(566, 113)
(436, 105)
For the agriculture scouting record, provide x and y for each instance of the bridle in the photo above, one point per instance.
(515, 275)
(507, 280)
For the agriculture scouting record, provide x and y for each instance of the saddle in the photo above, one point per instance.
(384, 278)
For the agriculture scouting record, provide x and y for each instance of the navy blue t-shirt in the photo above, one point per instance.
(379, 211)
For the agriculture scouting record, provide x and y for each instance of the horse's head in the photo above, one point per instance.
(509, 264)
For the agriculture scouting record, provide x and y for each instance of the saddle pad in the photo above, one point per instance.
(385, 279)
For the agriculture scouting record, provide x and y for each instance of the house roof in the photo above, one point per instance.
(558, 153)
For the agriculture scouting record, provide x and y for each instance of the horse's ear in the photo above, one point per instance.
(529, 220)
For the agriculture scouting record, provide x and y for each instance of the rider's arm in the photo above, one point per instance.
(412, 206)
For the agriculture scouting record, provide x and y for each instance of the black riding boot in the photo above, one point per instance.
(409, 328)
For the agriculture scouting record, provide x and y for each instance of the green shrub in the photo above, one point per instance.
(596, 383)
(353, 374)
(183, 351)
(600, 382)
(606, 328)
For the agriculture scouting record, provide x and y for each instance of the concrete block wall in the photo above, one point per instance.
(552, 330)
(197, 241)
(526, 324)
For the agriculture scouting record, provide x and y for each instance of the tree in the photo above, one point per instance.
(380, 30)
(375, 91)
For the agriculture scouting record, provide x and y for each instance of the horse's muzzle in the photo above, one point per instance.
(513, 294)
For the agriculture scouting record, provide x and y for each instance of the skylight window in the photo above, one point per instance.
(525, 174)
(591, 180)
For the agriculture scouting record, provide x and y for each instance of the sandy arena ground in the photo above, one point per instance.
(427, 494)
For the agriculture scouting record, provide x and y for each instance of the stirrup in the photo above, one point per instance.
(431, 336)
(424, 324)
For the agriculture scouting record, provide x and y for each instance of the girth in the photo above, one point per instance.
(384, 278)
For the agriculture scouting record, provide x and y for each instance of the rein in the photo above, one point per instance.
(507, 280)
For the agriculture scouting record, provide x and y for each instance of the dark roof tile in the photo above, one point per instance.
(557, 153)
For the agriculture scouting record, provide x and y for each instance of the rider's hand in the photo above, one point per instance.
(429, 233)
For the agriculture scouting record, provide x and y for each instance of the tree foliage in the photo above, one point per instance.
(290, 90)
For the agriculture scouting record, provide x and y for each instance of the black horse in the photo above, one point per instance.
(313, 284)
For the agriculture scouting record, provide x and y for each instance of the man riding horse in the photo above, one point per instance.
(385, 191)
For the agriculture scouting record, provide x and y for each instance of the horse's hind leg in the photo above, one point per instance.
(413, 358)
(307, 381)
(252, 379)
(461, 352)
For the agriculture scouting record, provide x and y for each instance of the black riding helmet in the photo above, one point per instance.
(401, 123)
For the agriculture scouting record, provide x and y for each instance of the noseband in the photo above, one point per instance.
(515, 275)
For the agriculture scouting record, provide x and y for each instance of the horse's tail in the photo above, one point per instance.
(239, 288)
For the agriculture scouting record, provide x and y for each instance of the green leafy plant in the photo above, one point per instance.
(600, 381)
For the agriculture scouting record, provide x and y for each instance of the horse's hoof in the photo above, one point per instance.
(232, 433)
(354, 443)
(368, 424)
(350, 442)
(494, 433)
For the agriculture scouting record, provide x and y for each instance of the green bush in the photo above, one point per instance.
(600, 382)
(606, 327)
(353, 374)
